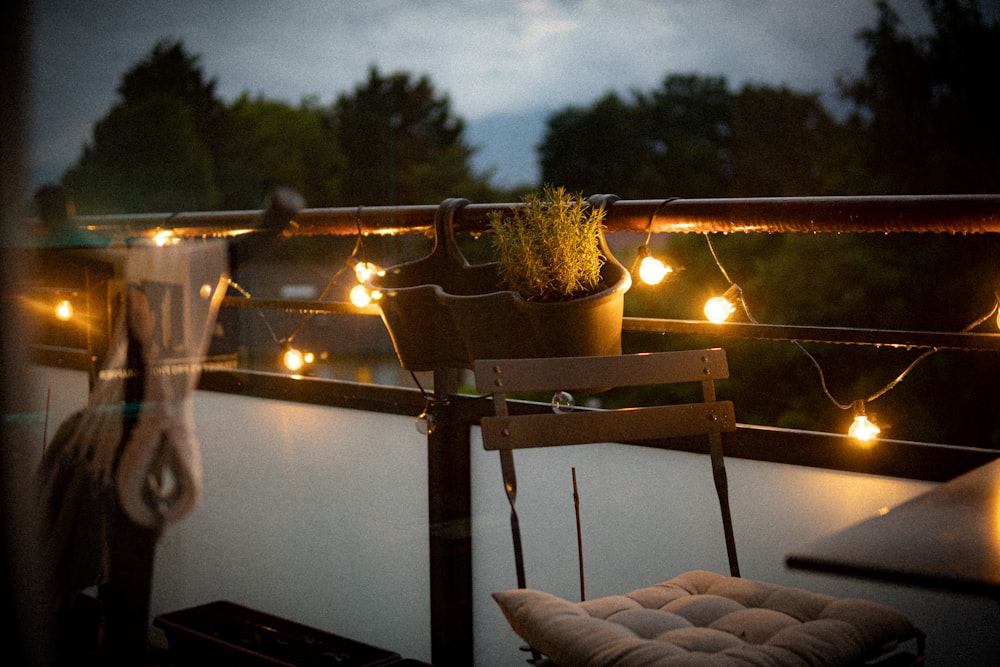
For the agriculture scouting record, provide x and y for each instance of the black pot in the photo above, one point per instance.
(443, 312)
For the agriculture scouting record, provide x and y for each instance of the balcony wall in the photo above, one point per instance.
(319, 514)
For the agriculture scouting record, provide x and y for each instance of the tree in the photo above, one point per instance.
(693, 138)
(928, 104)
(688, 124)
(401, 143)
(266, 143)
(170, 70)
(599, 149)
(673, 140)
(145, 157)
(785, 144)
(153, 150)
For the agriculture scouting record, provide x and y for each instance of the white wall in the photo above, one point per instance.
(319, 515)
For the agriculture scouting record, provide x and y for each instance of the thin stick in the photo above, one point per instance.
(45, 423)
(579, 536)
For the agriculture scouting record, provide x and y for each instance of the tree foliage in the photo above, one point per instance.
(401, 143)
(266, 143)
(145, 156)
(169, 143)
(927, 104)
(692, 137)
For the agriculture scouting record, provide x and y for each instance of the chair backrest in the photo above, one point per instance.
(505, 432)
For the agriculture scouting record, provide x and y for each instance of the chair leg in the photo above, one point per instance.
(722, 490)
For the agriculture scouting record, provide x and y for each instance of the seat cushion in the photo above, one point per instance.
(704, 618)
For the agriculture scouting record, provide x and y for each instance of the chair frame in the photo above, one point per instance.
(709, 417)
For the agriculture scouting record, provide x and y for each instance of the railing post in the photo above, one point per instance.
(450, 525)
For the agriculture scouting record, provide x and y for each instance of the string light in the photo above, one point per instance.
(64, 310)
(360, 296)
(295, 360)
(164, 237)
(651, 270)
(862, 429)
(718, 309)
(364, 270)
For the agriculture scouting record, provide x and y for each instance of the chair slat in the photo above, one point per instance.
(630, 370)
(580, 427)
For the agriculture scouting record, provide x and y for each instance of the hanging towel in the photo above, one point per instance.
(133, 446)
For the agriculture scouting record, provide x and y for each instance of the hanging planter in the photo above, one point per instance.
(443, 312)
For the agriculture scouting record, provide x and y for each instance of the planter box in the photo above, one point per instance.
(443, 312)
(224, 633)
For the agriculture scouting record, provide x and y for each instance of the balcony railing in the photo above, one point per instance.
(450, 494)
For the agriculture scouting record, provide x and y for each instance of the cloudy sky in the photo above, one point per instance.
(504, 64)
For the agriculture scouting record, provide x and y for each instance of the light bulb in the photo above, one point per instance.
(364, 271)
(163, 237)
(652, 271)
(360, 296)
(719, 308)
(64, 310)
(293, 359)
(862, 429)
(205, 291)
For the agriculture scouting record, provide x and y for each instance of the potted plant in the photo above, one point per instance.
(555, 289)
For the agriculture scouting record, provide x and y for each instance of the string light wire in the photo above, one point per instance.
(359, 246)
(819, 369)
(643, 252)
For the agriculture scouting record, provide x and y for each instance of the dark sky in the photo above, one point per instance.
(503, 64)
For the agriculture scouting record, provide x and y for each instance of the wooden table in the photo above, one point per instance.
(948, 537)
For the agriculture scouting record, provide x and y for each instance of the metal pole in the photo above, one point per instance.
(950, 214)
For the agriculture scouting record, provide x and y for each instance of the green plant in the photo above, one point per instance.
(549, 249)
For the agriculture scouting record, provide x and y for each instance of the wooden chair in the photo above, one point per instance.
(698, 617)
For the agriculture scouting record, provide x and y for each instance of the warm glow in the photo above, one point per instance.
(364, 271)
(360, 296)
(64, 310)
(863, 429)
(293, 359)
(163, 237)
(718, 309)
(652, 271)
(205, 291)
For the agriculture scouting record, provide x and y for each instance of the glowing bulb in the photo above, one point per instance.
(863, 429)
(205, 291)
(364, 271)
(719, 308)
(652, 271)
(360, 296)
(163, 237)
(64, 310)
(293, 359)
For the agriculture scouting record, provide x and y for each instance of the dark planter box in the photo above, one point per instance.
(443, 312)
(224, 633)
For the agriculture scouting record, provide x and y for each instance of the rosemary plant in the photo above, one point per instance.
(548, 249)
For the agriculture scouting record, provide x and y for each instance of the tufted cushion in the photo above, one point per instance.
(703, 618)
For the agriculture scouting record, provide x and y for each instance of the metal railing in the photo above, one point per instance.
(449, 493)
